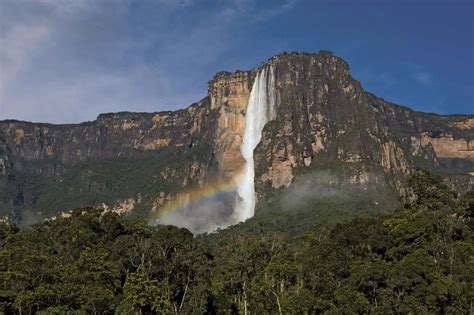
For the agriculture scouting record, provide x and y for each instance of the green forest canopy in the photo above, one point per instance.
(417, 259)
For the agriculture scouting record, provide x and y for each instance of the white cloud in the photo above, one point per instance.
(69, 60)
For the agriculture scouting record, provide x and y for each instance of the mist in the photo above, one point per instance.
(205, 215)
(313, 187)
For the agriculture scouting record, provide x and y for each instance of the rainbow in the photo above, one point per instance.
(208, 191)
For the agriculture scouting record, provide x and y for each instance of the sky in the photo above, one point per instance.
(66, 61)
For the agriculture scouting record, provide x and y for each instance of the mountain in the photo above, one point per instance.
(325, 135)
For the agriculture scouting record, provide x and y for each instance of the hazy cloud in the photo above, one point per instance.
(423, 77)
(313, 187)
(204, 215)
(68, 60)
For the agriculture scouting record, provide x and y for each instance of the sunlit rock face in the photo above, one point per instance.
(447, 146)
(229, 96)
(322, 119)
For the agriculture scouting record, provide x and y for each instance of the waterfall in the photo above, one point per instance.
(260, 110)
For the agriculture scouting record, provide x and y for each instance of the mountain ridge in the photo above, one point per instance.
(226, 73)
(315, 128)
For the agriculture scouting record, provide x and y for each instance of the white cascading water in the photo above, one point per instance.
(260, 110)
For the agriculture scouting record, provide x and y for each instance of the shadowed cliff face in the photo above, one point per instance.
(142, 161)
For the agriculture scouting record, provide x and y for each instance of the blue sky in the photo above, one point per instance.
(67, 61)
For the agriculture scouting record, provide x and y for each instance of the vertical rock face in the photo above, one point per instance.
(111, 135)
(324, 116)
(229, 95)
(50, 168)
(446, 146)
(326, 120)
(323, 120)
(5, 165)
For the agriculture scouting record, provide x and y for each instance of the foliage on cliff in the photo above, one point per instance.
(103, 181)
(418, 259)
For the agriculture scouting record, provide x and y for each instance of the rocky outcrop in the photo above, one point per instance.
(5, 164)
(323, 117)
(111, 135)
(446, 146)
(229, 94)
(464, 124)
(325, 120)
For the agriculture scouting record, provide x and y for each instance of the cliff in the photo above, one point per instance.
(140, 161)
